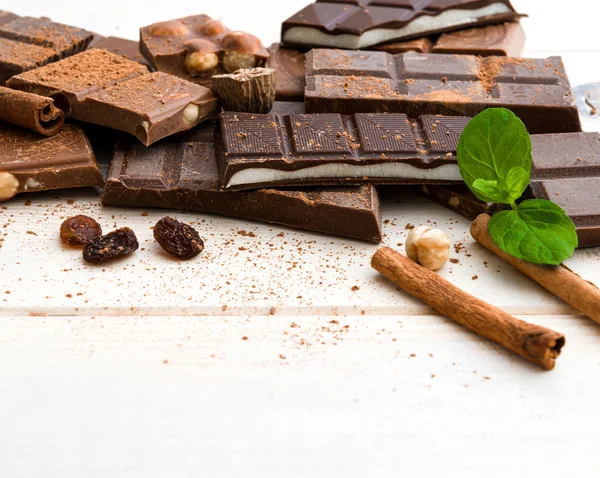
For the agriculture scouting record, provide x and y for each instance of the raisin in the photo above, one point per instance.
(178, 239)
(114, 244)
(79, 231)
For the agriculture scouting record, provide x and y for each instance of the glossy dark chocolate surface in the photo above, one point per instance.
(27, 43)
(536, 90)
(365, 23)
(300, 141)
(101, 88)
(182, 174)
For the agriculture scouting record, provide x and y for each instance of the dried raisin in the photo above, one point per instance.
(79, 231)
(178, 239)
(114, 244)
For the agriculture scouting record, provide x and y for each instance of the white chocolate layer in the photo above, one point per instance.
(423, 24)
(446, 172)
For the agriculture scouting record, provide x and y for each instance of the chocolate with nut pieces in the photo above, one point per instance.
(196, 48)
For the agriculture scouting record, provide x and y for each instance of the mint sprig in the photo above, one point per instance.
(494, 157)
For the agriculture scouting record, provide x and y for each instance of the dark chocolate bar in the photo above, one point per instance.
(120, 46)
(182, 174)
(566, 171)
(29, 162)
(196, 48)
(359, 24)
(27, 43)
(291, 78)
(461, 200)
(330, 149)
(101, 88)
(536, 90)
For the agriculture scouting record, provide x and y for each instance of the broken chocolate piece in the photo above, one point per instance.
(461, 200)
(246, 91)
(183, 175)
(34, 112)
(536, 90)
(196, 48)
(29, 162)
(506, 39)
(291, 78)
(101, 88)
(360, 24)
(120, 46)
(27, 43)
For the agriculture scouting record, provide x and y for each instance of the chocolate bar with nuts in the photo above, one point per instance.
(29, 162)
(196, 48)
(330, 149)
(101, 88)
(536, 90)
(27, 43)
(181, 173)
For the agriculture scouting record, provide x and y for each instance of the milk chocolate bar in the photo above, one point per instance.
(182, 174)
(29, 162)
(360, 24)
(330, 149)
(566, 171)
(27, 43)
(536, 90)
(120, 46)
(196, 48)
(101, 88)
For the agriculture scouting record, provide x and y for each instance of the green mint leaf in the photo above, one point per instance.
(491, 190)
(537, 231)
(492, 144)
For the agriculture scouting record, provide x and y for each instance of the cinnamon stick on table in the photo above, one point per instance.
(30, 111)
(532, 342)
(565, 284)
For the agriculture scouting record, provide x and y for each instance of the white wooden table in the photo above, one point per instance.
(258, 359)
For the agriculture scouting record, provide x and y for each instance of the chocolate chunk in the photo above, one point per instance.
(109, 90)
(29, 162)
(6, 17)
(291, 78)
(506, 39)
(183, 175)
(27, 43)
(461, 200)
(329, 149)
(566, 171)
(120, 46)
(359, 24)
(536, 90)
(196, 48)
(34, 112)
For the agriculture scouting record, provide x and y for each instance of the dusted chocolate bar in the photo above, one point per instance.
(196, 48)
(109, 90)
(27, 43)
(329, 149)
(536, 90)
(29, 162)
(358, 24)
(182, 174)
(120, 46)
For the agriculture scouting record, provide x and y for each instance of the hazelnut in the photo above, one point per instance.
(242, 42)
(9, 186)
(428, 247)
(201, 57)
(190, 114)
(235, 60)
(169, 28)
(213, 28)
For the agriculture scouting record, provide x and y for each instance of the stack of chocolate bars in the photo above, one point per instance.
(369, 93)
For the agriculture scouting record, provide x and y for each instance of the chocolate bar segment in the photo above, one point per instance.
(6, 17)
(29, 162)
(109, 90)
(196, 48)
(360, 24)
(27, 43)
(505, 39)
(461, 200)
(566, 171)
(120, 46)
(536, 90)
(183, 175)
(291, 78)
(330, 149)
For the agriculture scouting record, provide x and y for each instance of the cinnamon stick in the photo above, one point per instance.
(537, 344)
(30, 111)
(563, 283)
